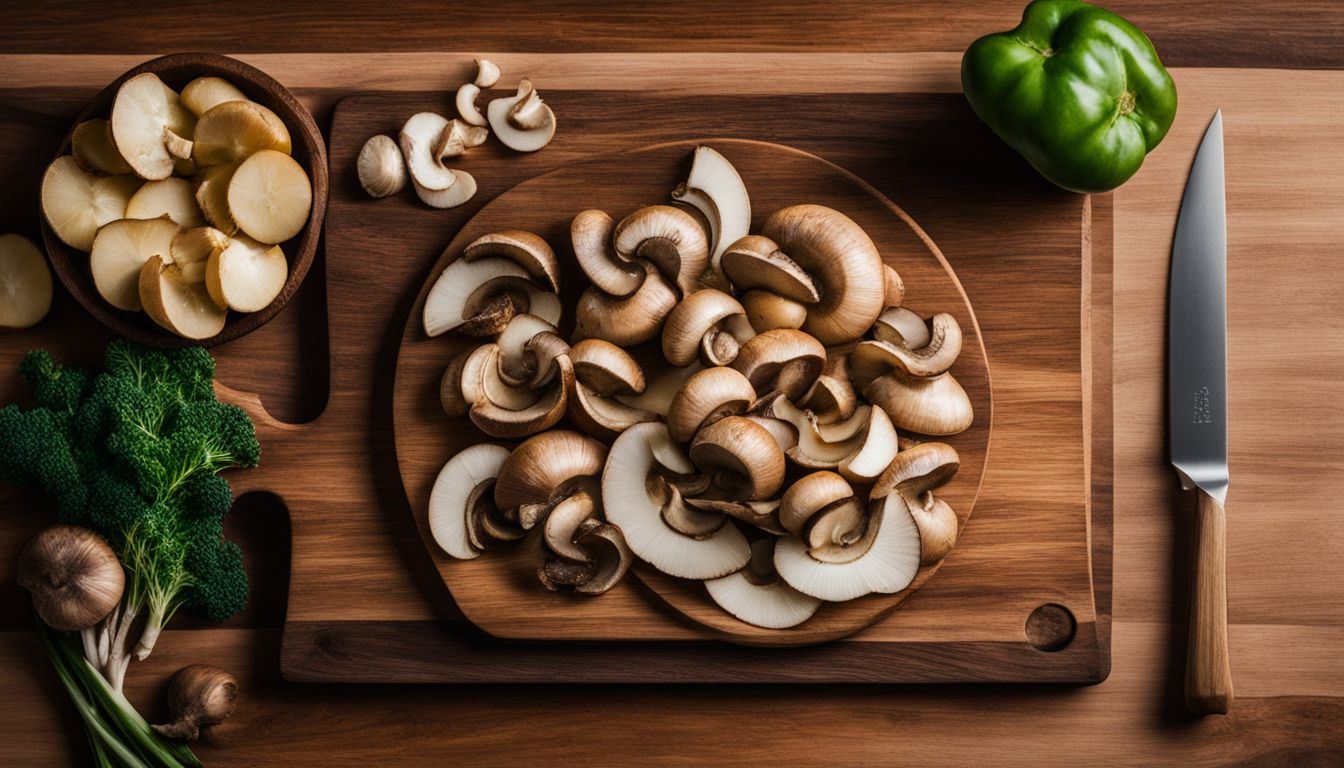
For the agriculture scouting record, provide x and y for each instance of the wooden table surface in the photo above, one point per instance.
(1286, 542)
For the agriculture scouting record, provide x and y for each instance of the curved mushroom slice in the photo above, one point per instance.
(461, 486)
(76, 203)
(92, 147)
(119, 253)
(875, 452)
(590, 236)
(462, 190)
(785, 434)
(871, 359)
(465, 288)
(824, 446)
(916, 469)
(839, 532)
(418, 139)
(808, 496)
(480, 381)
(183, 308)
(937, 525)
(755, 262)
(150, 127)
(522, 122)
(759, 514)
(605, 368)
(611, 558)
(451, 398)
(716, 190)
(517, 364)
(661, 390)
(742, 456)
(888, 564)
(457, 138)
(670, 239)
(832, 398)
(632, 506)
(698, 325)
(842, 259)
(603, 417)
(625, 321)
(755, 594)
(767, 311)
(171, 197)
(681, 517)
(561, 528)
(547, 466)
(902, 326)
(934, 406)
(498, 421)
(525, 249)
(782, 361)
(465, 101)
(706, 397)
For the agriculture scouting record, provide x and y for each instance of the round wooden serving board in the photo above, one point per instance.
(499, 590)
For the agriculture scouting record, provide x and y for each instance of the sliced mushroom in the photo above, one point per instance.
(611, 557)
(876, 451)
(77, 203)
(871, 359)
(465, 101)
(937, 525)
(838, 533)
(706, 397)
(698, 325)
(466, 289)
(832, 397)
(525, 249)
(625, 321)
(590, 235)
(934, 406)
(716, 190)
(522, 122)
(681, 517)
(902, 326)
(840, 256)
(150, 127)
(758, 514)
(457, 138)
(480, 381)
(499, 421)
(785, 434)
(917, 469)
(755, 262)
(670, 239)
(419, 138)
(808, 496)
(662, 389)
(487, 73)
(781, 360)
(893, 287)
(547, 467)
(605, 368)
(460, 488)
(92, 147)
(890, 559)
(632, 506)
(561, 528)
(742, 456)
(755, 594)
(767, 311)
(233, 131)
(458, 194)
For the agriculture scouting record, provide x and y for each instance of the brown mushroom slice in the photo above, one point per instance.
(755, 594)
(871, 359)
(825, 446)
(902, 326)
(937, 525)
(742, 456)
(610, 555)
(755, 262)
(497, 421)
(879, 447)
(809, 495)
(662, 388)
(842, 259)
(590, 235)
(683, 518)
(455, 494)
(463, 289)
(767, 311)
(916, 469)
(627, 321)
(517, 365)
(839, 532)
(832, 398)
(601, 416)
(706, 397)
(781, 360)
(450, 386)
(670, 239)
(759, 514)
(605, 368)
(893, 287)
(545, 466)
(562, 526)
(525, 249)
(632, 507)
(696, 326)
(934, 406)
(888, 564)
(480, 382)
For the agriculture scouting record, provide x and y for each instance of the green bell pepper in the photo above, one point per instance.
(1074, 88)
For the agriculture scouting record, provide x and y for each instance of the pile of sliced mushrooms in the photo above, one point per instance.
(522, 122)
(769, 453)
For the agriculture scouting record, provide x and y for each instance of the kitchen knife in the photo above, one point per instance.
(1197, 411)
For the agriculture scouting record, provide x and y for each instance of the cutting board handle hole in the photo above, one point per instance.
(1050, 627)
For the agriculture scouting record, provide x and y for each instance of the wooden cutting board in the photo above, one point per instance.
(1034, 563)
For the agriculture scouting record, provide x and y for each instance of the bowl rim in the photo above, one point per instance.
(137, 326)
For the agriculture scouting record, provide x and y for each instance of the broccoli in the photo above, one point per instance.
(133, 453)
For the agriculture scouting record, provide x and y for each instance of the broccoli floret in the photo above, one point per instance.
(55, 386)
(219, 589)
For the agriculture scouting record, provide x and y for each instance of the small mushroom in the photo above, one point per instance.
(706, 397)
(871, 359)
(546, 468)
(839, 532)
(840, 256)
(590, 236)
(520, 364)
(933, 406)
(755, 594)
(562, 525)
(917, 469)
(459, 492)
(381, 167)
(625, 321)
(893, 287)
(522, 122)
(525, 249)
(781, 360)
(889, 561)
(635, 506)
(716, 190)
(755, 262)
(465, 101)
(767, 311)
(702, 324)
(419, 138)
(487, 73)
(498, 420)
(808, 496)
(669, 238)
(832, 397)
(742, 457)
(605, 372)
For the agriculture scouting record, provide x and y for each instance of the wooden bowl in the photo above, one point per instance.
(72, 266)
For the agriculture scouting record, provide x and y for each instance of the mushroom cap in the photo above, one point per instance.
(611, 557)
(755, 262)
(669, 238)
(454, 493)
(590, 236)
(711, 394)
(809, 495)
(631, 506)
(902, 326)
(843, 261)
(544, 465)
(874, 358)
(561, 528)
(499, 421)
(781, 360)
(888, 565)
(526, 249)
(918, 469)
(893, 287)
(691, 320)
(625, 321)
(933, 406)
(937, 525)
(74, 576)
(767, 311)
(602, 416)
(742, 455)
(605, 368)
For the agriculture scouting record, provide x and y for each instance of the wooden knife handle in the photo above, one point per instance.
(1208, 670)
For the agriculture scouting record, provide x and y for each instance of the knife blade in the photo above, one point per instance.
(1197, 410)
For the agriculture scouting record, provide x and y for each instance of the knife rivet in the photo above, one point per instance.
(1050, 627)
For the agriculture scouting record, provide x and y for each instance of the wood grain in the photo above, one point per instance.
(1208, 670)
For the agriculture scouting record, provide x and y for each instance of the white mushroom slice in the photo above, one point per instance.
(627, 321)
(212, 195)
(245, 275)
(670, 239)
(233, 131)
(878, 449)
(460, 485)
(480, 381)
(522, 122)
(203, 93)
(487, 73)
(183, 308)
(76, 203)
(605, 368)
(662, 388)
(144, 116)
(465, 101)
(934, 406)
(899, 325)
(871, 359)
(825, 446)
(528, 250)
(462, 288)
(715, 188)
(762, 600)
(603, 417)
(590, 236)
(785, 434)
(171, 197)
(457, 138)
(888, 565)
(418, 139)
(25, 283)
(462, 190)
(92, 147)
(120, 251)
(270, 196)
(629, 504)
(832, 397)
